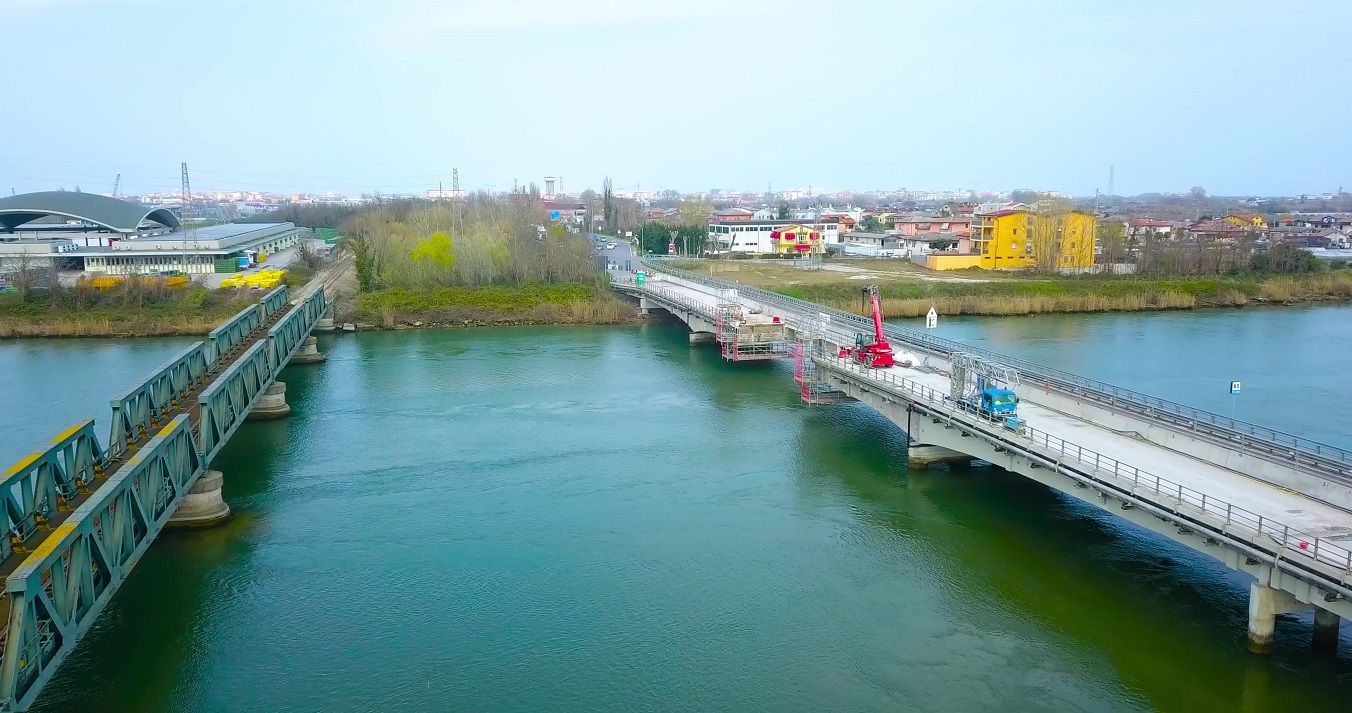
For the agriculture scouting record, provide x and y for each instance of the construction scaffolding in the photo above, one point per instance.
(813, 344)
(743, 336)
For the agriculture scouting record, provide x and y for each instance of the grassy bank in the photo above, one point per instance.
(81, 312)
(527, 304)
(909, 291)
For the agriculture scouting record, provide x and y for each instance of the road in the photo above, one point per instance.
(622, 257)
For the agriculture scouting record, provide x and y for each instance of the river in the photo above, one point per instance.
(554, 519)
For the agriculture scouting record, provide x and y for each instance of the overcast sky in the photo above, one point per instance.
(1239, 96)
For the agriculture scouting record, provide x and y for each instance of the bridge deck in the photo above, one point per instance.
(1306, 514)
(1301, 512)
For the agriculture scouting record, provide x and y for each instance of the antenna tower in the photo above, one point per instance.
(187, 215)
(1111, 192)
(117, 184)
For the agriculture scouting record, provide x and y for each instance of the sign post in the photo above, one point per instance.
(932, 319)
(1234, 396)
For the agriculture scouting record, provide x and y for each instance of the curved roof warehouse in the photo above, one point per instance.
(110, 213)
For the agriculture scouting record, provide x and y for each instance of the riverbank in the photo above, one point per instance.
(488, 306)
(138, 313)
(910, 291)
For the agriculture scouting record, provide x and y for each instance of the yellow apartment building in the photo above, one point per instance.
(1016, 239)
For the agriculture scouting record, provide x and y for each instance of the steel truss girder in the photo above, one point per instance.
(227, 400)
(46, 482)
(59, 590)
(143, 409)
(285, 337)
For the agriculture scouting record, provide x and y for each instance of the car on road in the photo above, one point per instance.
(610, 246)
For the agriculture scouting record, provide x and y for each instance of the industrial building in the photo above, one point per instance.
(97, 234)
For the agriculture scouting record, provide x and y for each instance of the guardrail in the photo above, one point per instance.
(46, 482)
(142, 409)
(1278, 445)
(1292, 542)
(58, 591)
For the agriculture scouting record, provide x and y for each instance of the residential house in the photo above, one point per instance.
(1010, 239)
(1317, 220)
(1248, 221)
(733, 215)
(1138, 229)
(925, 224)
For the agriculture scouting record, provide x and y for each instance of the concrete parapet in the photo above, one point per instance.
(202, 506)
(272, 404)
(920, 456)
(308, 353)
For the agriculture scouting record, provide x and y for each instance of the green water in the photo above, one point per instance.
(610, 520)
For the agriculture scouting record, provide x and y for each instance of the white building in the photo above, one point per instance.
(753, 236)
(194, 252)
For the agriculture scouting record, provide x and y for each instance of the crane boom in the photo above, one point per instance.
(878, 337)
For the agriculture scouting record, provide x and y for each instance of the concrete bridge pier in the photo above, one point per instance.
(921, 456)
(325, 324)
(272, 404)
(1326, 625)
(702, 337)
(1265, 603)
(308, 353)
(202, 506)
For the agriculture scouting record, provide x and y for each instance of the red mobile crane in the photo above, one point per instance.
(878, 354)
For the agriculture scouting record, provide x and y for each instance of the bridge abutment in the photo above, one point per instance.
(272, 404)
(1326, 625)
(202, 506)
(308, 353)
(1265, 603)
(325, 324)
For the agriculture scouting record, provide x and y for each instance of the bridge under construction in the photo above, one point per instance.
(1273, 505)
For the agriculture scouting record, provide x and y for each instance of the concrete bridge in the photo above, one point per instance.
(1270, 504)
(79, 514)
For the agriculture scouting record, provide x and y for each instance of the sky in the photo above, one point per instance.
(1238, 96)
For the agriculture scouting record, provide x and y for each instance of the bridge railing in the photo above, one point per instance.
(142, 409)
(226, 400)
(678, 299)
(58, 591)
(1278, 445)
(46, 482)
(1293, 544)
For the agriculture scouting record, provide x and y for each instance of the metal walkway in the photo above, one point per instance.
(79, 515)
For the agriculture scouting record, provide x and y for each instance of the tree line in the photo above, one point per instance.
(474, 242)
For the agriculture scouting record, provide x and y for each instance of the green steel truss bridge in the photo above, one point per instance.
(79, 513)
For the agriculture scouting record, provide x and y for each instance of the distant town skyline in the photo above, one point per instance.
(352, 97)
